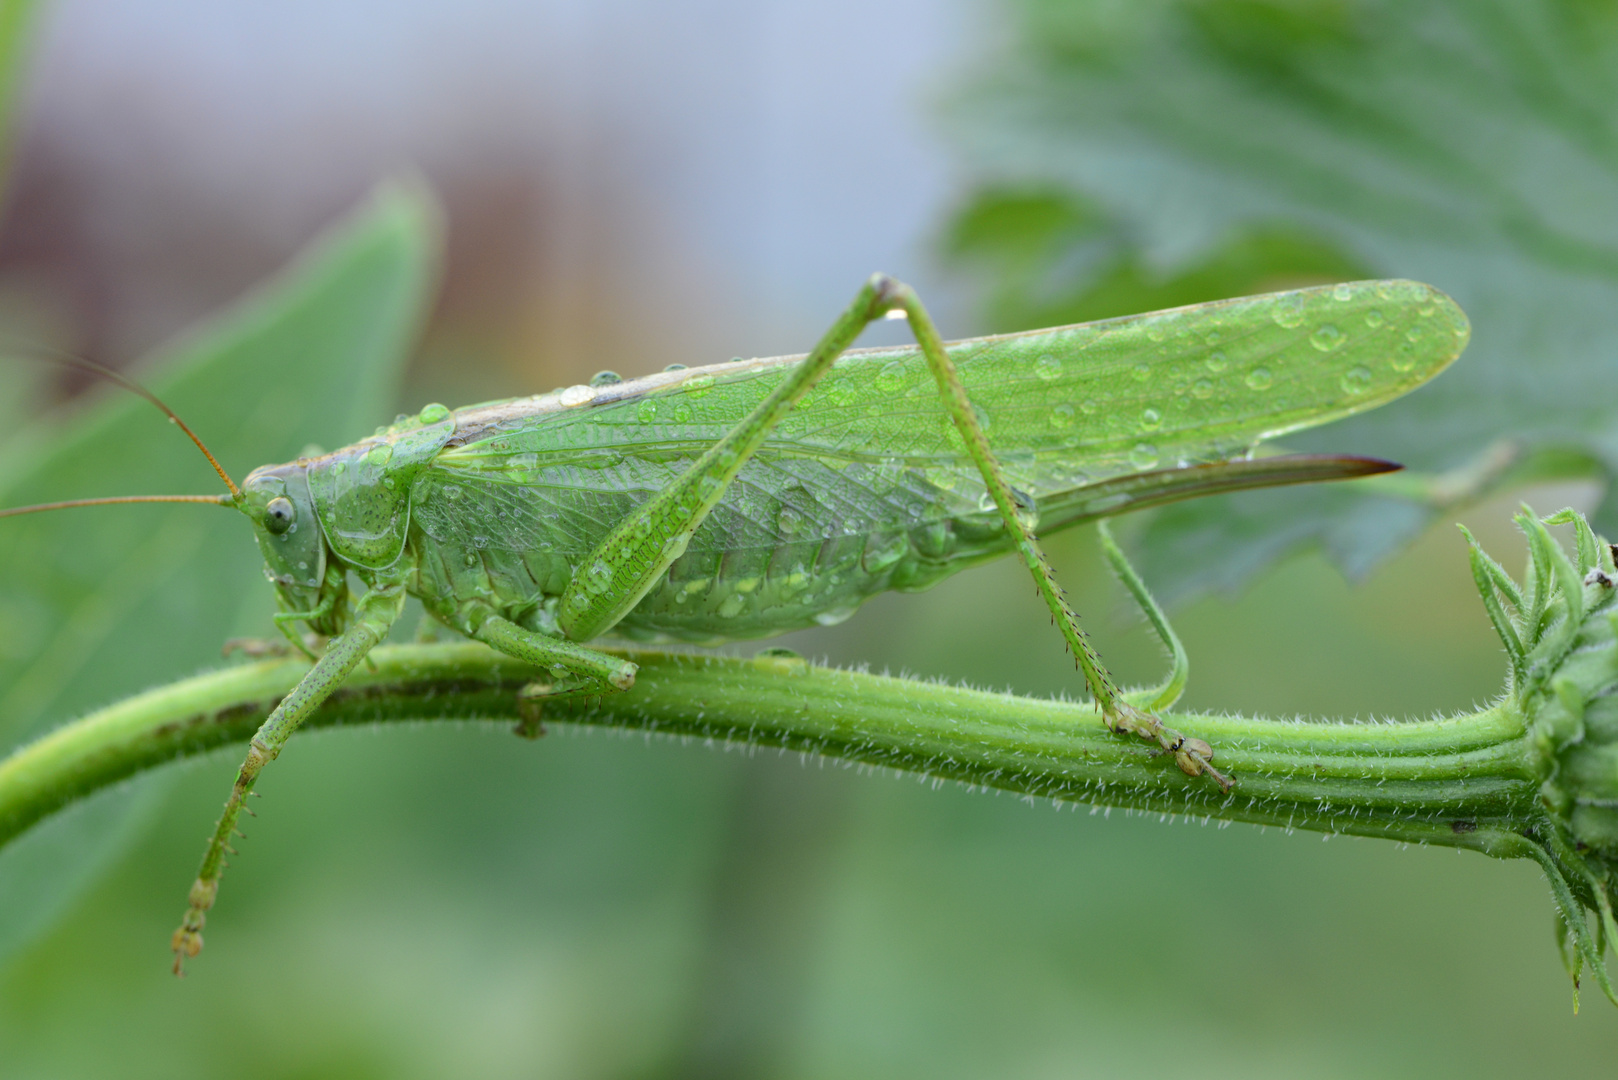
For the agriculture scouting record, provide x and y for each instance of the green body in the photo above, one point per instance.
(760, 496)
(865, 486)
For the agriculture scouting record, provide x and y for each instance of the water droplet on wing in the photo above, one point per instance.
(892, 378)
(1327, 338)
(1288, 311)
(1356, 380)
(1259, 378)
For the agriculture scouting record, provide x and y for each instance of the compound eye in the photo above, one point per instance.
(278, 515)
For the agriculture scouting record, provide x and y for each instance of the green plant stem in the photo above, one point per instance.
(1465, 781)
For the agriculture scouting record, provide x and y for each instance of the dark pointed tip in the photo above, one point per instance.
(1351, 465)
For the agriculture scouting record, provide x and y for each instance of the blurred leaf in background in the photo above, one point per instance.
(1142, 155)
(100, 602)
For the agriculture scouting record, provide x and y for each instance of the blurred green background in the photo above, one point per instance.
(626, 186)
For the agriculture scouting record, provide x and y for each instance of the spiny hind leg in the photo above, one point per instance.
(641, 547)
(1192, 755)
(574, 670)
(376, 613)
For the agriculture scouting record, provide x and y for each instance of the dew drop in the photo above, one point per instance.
(732, 605)
(1404, 357)
(675, 367)
(1216, 361)
(1142, 372)
(1259, 379)
(1327, 338)
(788, 521)
(470, 560)
(434, 413)
(1343, 292)
(1356, 380)
(834, 616)
(606, 378)
(600, 573)
(892, 378)
(451, 492)
(1155, 333)
(577, 395)
(697, 385)
(1202, 388)
(1150, 420)
(646, 411)
(340, 468)
(1374, 318)
(1415, 334)
(682, 413)
(1288, 313)
(674, 546)
(1143, 456)
(1062, 417)
(882, 552)
(380, 454)
(1048, 367)
(1212, 337)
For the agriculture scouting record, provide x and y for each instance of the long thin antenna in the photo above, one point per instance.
(68, 360)
(217, 500)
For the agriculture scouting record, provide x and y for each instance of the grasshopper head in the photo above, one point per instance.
(276, 499)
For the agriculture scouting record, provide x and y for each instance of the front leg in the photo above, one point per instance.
(377, 611)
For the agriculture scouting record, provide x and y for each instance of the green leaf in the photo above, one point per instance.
(1471, 146)
(96, 603)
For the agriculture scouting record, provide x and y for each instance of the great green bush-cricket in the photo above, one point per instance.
(750, 498)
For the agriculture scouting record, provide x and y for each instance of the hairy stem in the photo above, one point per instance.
(1464, 781)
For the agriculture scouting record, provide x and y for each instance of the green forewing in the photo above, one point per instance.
(871, 447)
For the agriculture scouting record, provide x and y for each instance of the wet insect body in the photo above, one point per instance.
(864, 487)
(750, 498)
